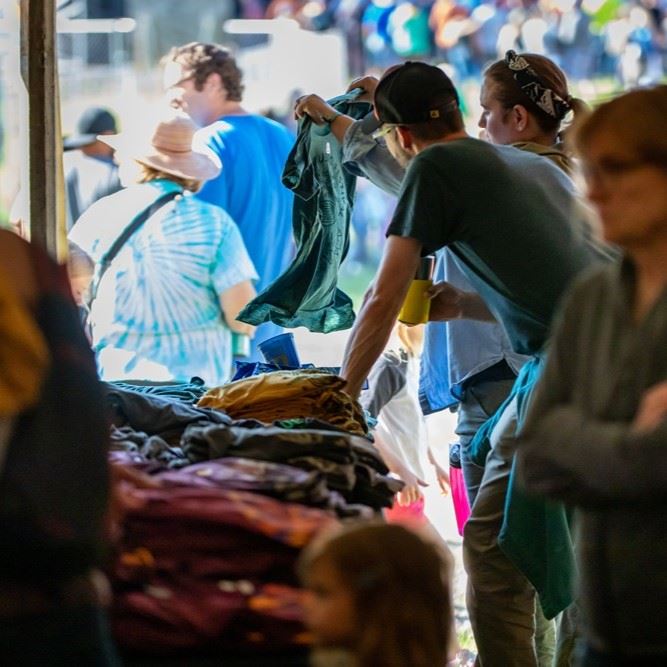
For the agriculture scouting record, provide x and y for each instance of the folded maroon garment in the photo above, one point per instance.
(169, 615)
(290, 523)
(222, 552)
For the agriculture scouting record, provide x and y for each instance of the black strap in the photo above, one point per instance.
(136, 223)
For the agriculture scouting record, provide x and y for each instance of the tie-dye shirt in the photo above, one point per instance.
(157, 312)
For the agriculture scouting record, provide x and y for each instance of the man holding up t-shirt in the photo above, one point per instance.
(507, 216)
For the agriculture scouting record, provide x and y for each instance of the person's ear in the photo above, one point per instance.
(519, 117)
(213, 84)
(405, 138)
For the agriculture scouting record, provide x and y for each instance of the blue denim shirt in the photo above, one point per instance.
(454, 352)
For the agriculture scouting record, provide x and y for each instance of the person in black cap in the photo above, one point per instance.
(506, 215)
(90, 170)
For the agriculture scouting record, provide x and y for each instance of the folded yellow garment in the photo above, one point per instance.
(288, 395)
(23, 353)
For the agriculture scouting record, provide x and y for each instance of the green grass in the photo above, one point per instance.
(355, 282)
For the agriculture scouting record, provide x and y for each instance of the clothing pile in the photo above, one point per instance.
(288, 394)
(206, 561)
(206, 568)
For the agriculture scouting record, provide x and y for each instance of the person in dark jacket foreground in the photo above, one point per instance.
(596, 432)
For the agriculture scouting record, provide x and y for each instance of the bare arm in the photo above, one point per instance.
(80, 269)
(321, 112)
(232, 301)
(380, 309)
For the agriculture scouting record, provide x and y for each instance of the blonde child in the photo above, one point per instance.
(378, 595)
(401, 435)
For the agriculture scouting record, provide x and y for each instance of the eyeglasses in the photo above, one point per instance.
(611, 168)
(384, 130)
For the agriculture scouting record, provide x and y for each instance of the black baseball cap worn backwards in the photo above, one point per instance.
(414, 92)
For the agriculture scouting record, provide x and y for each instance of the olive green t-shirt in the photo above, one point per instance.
(509, 217)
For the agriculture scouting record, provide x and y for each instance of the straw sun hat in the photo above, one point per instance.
(169, 150)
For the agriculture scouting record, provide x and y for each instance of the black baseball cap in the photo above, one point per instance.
(414, 92)
(93, 121)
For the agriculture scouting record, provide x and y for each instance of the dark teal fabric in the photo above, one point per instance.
(306, 294)
(535, 534)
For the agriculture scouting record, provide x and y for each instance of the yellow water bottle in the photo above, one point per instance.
(417, 305)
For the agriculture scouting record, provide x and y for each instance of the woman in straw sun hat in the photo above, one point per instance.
(165, 305)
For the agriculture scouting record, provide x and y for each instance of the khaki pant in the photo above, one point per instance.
(501, 602)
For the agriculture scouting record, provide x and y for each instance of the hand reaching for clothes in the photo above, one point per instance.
(315, 107)
(368, 84)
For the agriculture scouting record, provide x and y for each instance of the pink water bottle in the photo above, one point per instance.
(458, 486)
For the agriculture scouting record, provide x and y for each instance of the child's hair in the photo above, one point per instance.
(400, 586)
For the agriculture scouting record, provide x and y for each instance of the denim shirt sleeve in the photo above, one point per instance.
(370, 158)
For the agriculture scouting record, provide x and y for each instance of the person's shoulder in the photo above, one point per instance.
(276, 132)
(207, 213)
(595, 281)
(466, 148)
(215, 133)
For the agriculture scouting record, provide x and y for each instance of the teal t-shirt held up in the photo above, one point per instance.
(306, 294)
(516, 235)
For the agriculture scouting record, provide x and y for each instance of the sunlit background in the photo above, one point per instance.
(109, 52)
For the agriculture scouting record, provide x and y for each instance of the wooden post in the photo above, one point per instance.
(39, 71)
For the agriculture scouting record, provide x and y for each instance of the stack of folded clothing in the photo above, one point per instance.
(287, 395)
(152, 433)
(187, 392)
(207, 559)
(350, 464)
(206, 568)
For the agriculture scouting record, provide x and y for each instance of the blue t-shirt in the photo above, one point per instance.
(253, 151)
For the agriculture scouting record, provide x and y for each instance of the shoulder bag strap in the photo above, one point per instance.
(128, 232)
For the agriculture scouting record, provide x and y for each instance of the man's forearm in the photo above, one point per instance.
(367, 341)
(380, 310)
(339, 126)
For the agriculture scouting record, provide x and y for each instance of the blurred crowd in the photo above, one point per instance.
(587, 38)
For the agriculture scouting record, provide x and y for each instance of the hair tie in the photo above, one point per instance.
(532, 86)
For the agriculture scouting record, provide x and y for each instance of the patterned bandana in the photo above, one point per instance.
(529, 82)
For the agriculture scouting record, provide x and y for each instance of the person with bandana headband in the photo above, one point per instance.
(525, 100)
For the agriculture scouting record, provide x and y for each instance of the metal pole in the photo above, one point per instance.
(39, 72)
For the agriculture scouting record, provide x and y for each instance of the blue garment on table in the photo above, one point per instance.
(306, 294)
(157, 313)
(253, 151)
